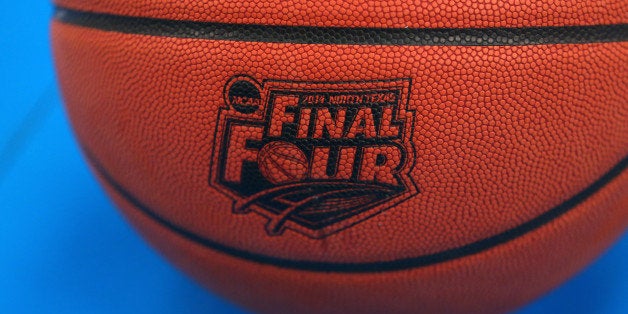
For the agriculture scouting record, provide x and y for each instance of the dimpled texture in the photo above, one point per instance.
(502, 134)
(371, 13)
(496, 281)
(282, 163)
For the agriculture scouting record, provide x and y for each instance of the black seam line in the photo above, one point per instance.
(368, 267)
(501, 36)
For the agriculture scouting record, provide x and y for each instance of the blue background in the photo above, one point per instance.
(65, 249)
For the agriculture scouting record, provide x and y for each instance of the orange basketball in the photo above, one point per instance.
(358, 156)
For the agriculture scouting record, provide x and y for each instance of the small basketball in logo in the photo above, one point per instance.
(282, 162)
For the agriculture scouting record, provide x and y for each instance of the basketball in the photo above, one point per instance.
(282, 162)
(357, 156)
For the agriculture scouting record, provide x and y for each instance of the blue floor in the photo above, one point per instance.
(65, 249)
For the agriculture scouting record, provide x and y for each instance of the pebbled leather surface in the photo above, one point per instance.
(372, 13)
(497, 134)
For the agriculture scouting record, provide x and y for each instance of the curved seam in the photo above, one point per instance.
(490, 36)
(370, 267)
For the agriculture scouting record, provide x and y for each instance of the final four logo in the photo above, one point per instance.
(314, 157)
